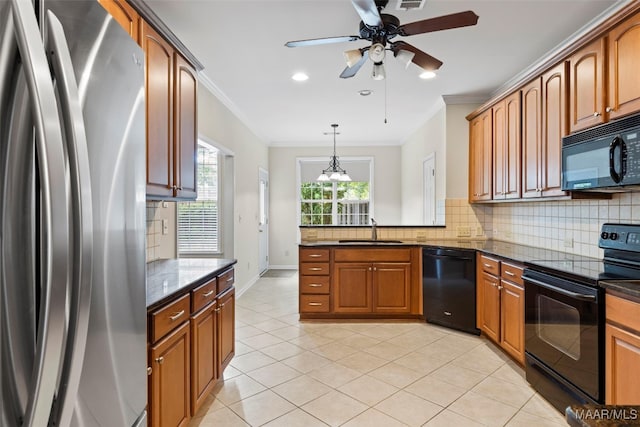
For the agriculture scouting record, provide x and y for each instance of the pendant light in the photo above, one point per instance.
(334, 172)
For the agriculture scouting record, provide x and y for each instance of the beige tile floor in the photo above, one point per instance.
(290, 373)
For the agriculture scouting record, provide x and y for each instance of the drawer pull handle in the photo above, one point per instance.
(315, 256)
(488, 265)
(230, 279)
(208, 294)
(176, 316)
(159, 360)
(315, 268)
(447, 313)
(315, 285)
(508, 273)
(315, 304)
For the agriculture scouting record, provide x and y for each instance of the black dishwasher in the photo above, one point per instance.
(449, 287)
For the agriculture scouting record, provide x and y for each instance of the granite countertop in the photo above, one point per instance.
(166, 277)
(627, 287)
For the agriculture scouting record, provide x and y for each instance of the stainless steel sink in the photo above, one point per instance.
(369, 241)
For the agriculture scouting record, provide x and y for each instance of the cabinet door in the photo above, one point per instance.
(226, 329)
(170, 379)
(531, 139)
(392, 288)
(622, 361)
(624, 63)
(480, 157)
(204, 360)
(512, 319)
(499, 149)
(513, 162)
(159, 85)
(124, 15)
(586, 91)
(554, 127)
(186, 129)
(352, 288)
(489, 320)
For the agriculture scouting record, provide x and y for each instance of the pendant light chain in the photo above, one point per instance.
(334, 172)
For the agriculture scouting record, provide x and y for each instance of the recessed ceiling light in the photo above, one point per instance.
(427, 75)
(300, 77)
(365, 92)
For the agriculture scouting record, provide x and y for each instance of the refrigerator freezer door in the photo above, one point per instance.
(110, 74)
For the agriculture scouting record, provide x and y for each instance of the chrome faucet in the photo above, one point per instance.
(374, 231)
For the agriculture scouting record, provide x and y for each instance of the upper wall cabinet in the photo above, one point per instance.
(124, 15)
(587, 86)
(544, 113)
(616, 58)
(480, 161)
(506, 148)
(624, 66)
(171, 120)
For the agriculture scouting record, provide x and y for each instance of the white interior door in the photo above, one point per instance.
(263, 221)
(429, 185)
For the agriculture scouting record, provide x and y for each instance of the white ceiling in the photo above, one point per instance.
(241, 45)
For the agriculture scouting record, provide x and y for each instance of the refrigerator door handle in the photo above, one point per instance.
(82, 218)
(54, 239)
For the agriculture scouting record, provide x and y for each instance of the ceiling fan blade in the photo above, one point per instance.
(421, 59)
(445, 22)
(325, 40)
(351, 71)
(368, 12)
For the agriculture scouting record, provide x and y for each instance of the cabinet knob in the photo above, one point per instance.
(500, 288)
(596, 114)
(609, 109)
(149, 370)
(217, 310)
(160, 360)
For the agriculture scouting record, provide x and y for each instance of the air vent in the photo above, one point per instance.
(410, 4)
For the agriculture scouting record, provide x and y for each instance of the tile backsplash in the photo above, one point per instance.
(161, 245)
(571, 226)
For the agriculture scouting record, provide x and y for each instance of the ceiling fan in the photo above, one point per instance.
(379, 28)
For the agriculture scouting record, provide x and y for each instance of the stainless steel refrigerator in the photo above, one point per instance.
(72, 217)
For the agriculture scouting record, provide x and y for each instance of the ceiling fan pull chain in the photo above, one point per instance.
(385, 101)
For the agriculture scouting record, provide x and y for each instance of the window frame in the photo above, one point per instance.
(321, 163)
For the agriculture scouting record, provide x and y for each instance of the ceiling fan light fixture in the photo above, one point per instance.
(376, 52)
(405, 57)
(378, 72)
(425, 75)
(352, 57)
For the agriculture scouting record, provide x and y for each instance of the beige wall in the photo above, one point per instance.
(283, 229)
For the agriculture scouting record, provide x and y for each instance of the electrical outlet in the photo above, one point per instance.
(421, 236)
(479, 231)
(508, 235)
(464, 231)
(165, 226)
(568, 242)
(165, 204)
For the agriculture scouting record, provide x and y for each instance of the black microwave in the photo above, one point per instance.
(603, 158)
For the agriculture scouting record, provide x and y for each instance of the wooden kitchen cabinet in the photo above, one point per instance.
(480, 157)
(586, 90)
(226, 328)
(171, 87)
(204, 339)
(360, 282)
(124, 15)
(622, 351)
(500, 304)
(170, 379)
(506, 148)
(623, 96)
(544, 123)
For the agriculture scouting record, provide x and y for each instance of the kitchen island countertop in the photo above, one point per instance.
(167, 277)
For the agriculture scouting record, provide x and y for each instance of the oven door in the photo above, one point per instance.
(563, 329)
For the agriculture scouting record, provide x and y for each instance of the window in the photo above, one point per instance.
(198, 222)
(335, 203)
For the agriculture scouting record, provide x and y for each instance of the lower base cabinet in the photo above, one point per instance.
(204, 357)
(170, 379)
(226, 328)
(622, 351)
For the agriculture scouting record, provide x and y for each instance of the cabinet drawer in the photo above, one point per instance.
(314, 255)
(314, 303)
(203, 295)
(315, 284)
(623, 311)
(314, 268)
(372, 255)
(512, 273)
(169, 317)
(490, 265)
(226, 280)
